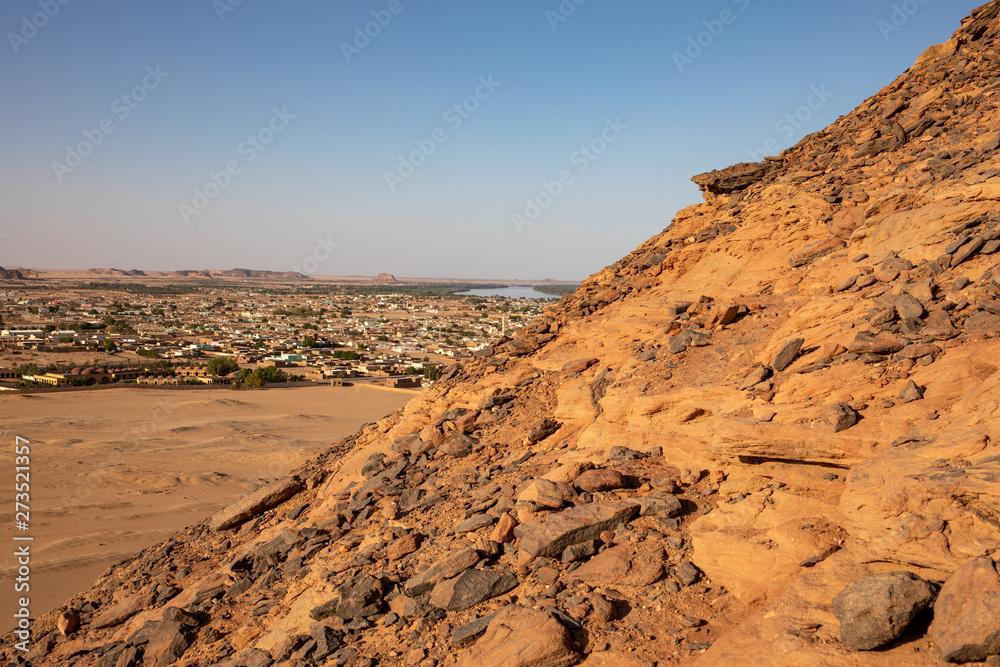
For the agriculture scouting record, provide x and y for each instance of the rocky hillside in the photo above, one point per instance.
(767, 436)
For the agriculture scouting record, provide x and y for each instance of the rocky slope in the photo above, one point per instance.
(767, 435)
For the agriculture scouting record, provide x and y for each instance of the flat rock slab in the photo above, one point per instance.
(622, 565)
(522, 637)
(251, 505)
(875, 610)
(124, 610)
(446, 568)
(470, 588)
(966, 626)
(551, 534)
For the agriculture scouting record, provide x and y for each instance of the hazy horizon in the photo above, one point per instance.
(455, 139)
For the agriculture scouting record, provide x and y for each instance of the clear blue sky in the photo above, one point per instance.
(311, 191)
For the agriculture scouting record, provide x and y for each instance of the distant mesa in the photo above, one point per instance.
(203, 273)
(115, 272)
(11, 274)
(385, 278)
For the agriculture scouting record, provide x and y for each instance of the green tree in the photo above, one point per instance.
(222, 366)
(308, 341)
(109, 345)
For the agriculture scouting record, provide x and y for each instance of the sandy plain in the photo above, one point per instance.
(115, 471)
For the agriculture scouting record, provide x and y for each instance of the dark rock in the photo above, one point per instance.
(755, 377)
(839, 417)
(551, 534)
(470, 588)
(687, 573)
(968, 250)
(474, 523)
(911, 392)
(619, 453)
(733, 179)
(787, 354)
(446, 568)
(875, 610)
(543, 429)
(360, 597)
(466, 635)
(908, 307)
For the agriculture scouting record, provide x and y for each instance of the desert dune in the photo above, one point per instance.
(113, 472)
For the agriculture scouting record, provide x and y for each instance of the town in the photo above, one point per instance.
(246, 334)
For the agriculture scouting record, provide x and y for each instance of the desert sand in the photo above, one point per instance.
(113, 472)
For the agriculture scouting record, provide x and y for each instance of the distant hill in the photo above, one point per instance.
(385, 278)
(11, 274)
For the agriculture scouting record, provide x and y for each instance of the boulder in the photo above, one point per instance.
(522, 637)
(445, 568)
(966, 626)
(261, 500)
(875, 610)
(470, 588)
(551, 534)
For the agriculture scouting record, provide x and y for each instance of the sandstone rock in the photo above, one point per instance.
(787, 354)
(551, 534)
(755, 377)
(815, 250)
(446, 568)
(124, 610)
(622, 565)
(568, 472)
(867, 343)
(470, 588)
(68, 622)
(600, 479)
(722, 315)
(545, 493)
(966, 626)
(579, 365)
(404, 546)
(522, 637)
(875, 610)
(253, 504)
(504, 531)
